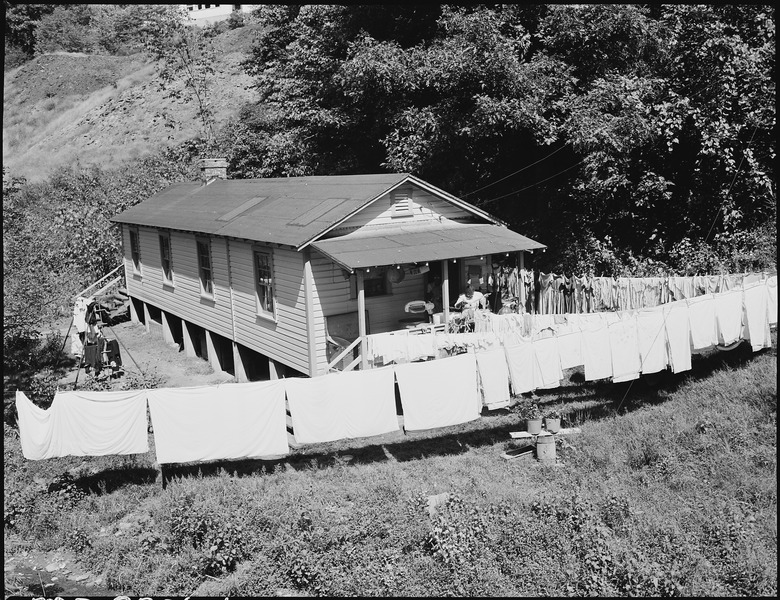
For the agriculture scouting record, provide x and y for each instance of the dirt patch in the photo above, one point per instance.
(146, 354)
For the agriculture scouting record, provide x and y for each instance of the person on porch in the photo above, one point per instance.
(471, 299)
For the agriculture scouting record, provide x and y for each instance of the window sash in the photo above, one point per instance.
(135, 249)
(264, 283)
(165, 257)
(204, 267)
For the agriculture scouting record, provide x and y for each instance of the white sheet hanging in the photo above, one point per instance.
(651, 334)
(596, 352)
(757, 316)
(438, 393)
(84, 424)
(728, 315)
(228, 421)
(335, 406)
(624, 347)
(521, 361)
(678, 340)
(771, 292)
(701, 315)
(548, 363)
(493, 378)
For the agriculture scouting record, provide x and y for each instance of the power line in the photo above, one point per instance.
(528, 187)
(511, 174)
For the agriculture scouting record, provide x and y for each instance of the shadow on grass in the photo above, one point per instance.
(111, 480)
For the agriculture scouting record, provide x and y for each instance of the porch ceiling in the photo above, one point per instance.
(420, 246)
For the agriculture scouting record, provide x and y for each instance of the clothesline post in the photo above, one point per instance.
(361, 300)
(445, 290)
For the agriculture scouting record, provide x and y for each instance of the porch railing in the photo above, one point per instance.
(337, 359)
(83, 292)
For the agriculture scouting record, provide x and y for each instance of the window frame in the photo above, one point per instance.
(165, 243)
(135, 251)
(370, 291)
(270, 288)
(202, 280)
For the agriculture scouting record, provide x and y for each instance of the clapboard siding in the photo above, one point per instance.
(184, 298)
(426, 208)
(384, 312)
(286, 339)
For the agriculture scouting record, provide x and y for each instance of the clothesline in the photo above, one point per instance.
(248, 420)
(536, 292)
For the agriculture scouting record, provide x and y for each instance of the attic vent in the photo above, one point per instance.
(402, 204)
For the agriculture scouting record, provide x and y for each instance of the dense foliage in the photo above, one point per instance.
(646, 129)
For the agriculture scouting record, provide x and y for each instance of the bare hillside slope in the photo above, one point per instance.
(62, 109)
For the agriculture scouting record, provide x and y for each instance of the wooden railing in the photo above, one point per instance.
(341, 355)
(83, 293)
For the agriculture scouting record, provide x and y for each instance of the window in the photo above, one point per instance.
(204, 268)
(264, 282)
(135, 251)
(374, 283)
(165, 257)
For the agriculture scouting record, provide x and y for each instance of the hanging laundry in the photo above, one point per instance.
(439, 393)
(421, 346)
(771, 291)
(548, 363)
(229, 421)
(652, 340)
(701, 313)
(84, 424)
(596, 350)
(677, 327)
(336, 406)
(80, 314)
(521, 360)
(728, 316)
(757, 316)
(624, 348)
(493, 378)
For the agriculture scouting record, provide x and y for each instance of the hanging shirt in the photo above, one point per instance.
(652, 340)
(80, 314)
(228, 421)
(624, 348)
(756, 314)
(701, 314)
(678, 340)
(336, 406)
(84, 424)
(728, 315)
(439, 393)
(493, 378)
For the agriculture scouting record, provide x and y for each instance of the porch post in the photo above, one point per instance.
(361, 301)
(308, 293)
(445, 289)
(522, 259)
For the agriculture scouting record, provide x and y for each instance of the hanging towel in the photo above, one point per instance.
(701, 314)
(548, 363)
(228, 421)
(84, 424)
(678, 340)
(652, 340)
(438, 393)
(421, 346)
(624, 348)
(757, 316)
(521, 360)
(493, 378)
(728, 316)
(352, 404)
(596, 353)
(771, 291)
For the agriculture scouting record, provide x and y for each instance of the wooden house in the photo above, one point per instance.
(265, 277)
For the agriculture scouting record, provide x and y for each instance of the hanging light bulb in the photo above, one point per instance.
(398, 266)
(454, 260)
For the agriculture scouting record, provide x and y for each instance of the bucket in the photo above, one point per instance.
(545, 448)
(552, 425)
(438, 318)
(533, 426)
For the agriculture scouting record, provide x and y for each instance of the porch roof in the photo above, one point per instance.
(357, 252)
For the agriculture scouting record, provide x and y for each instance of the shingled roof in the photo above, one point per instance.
(285, 210)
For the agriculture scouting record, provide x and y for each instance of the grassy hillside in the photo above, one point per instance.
(670, 489)
(62, 109)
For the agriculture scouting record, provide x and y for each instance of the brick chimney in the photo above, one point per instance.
(213, 168)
